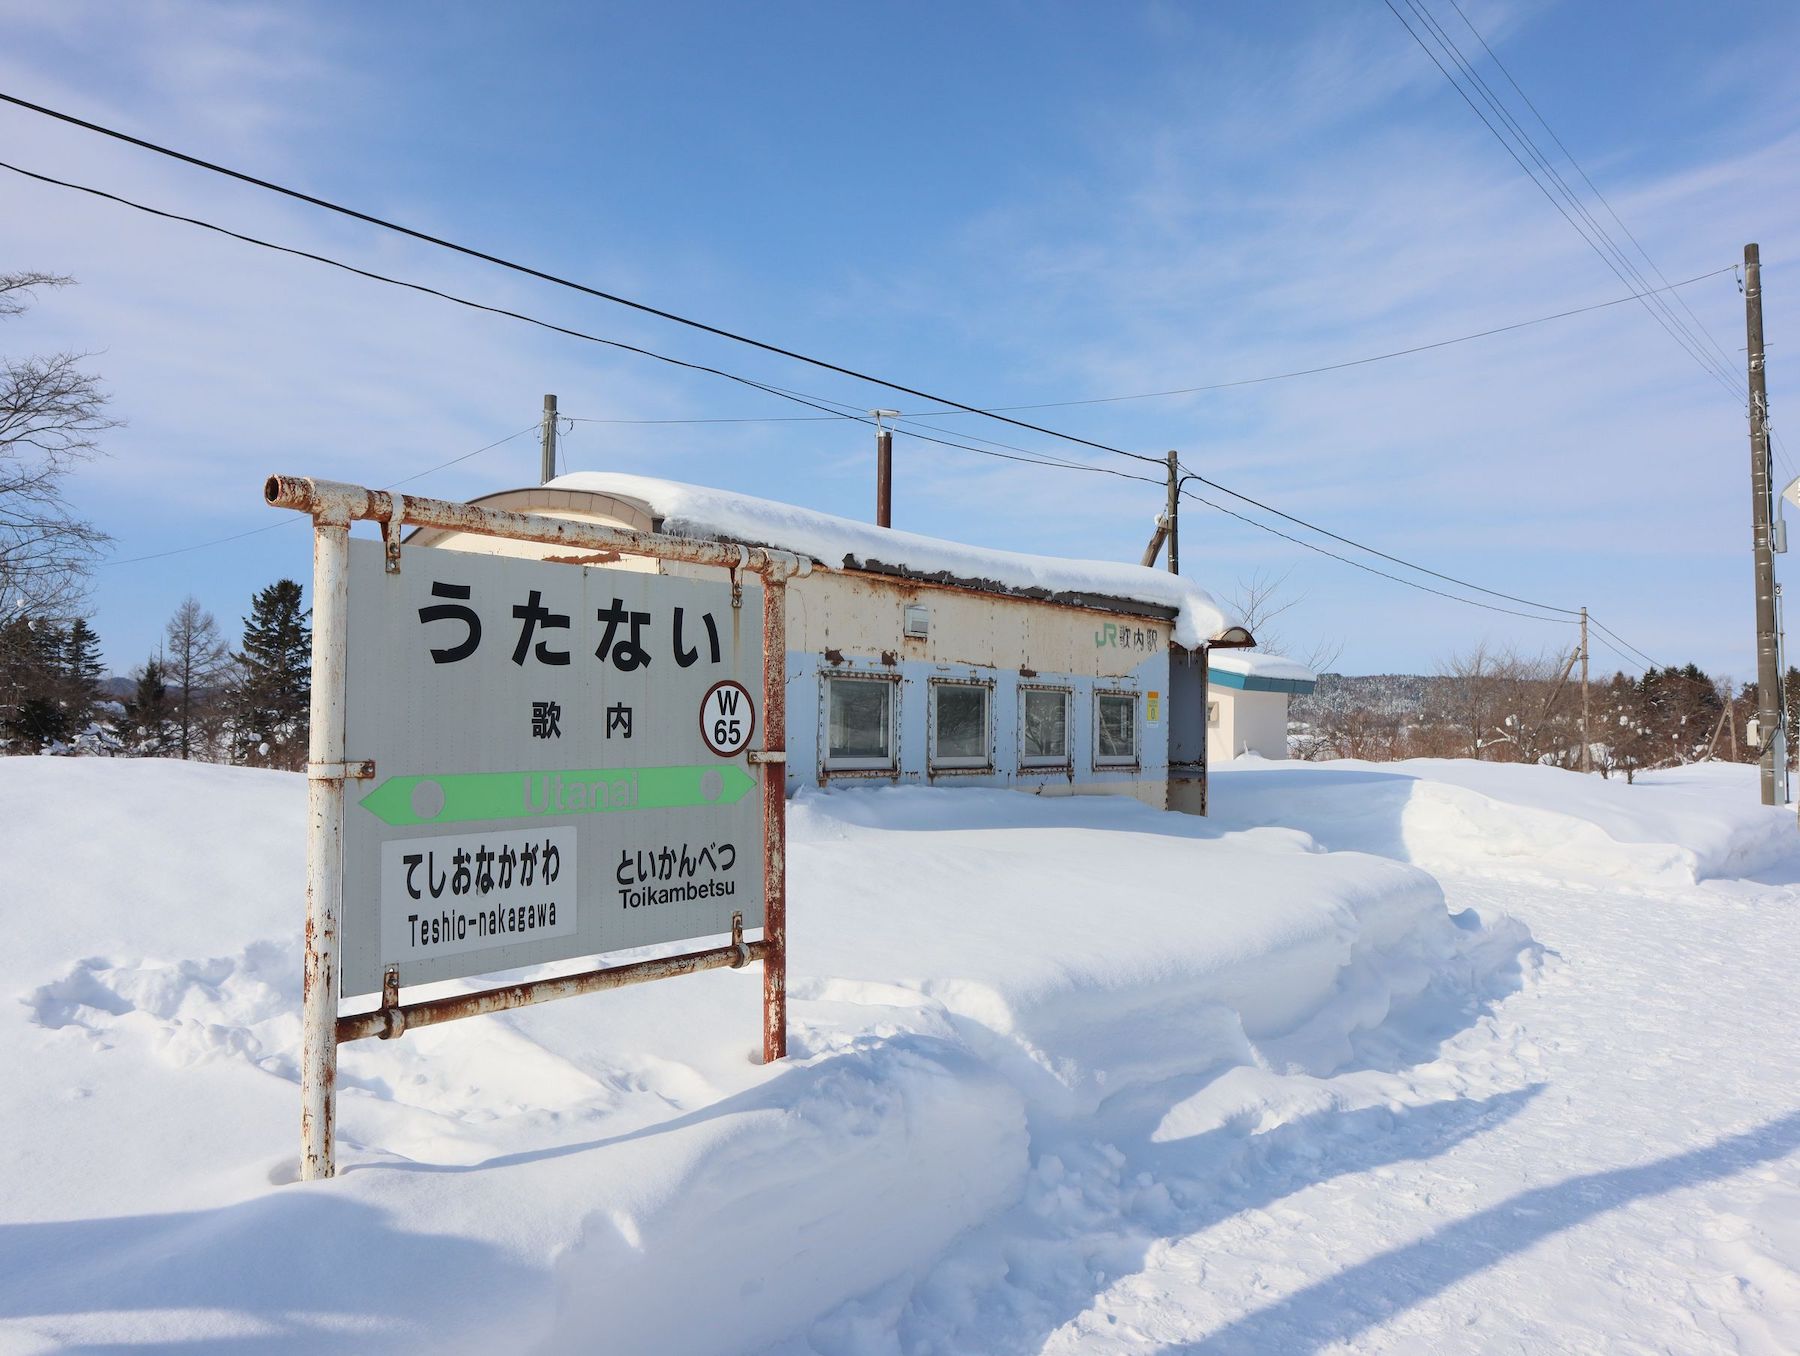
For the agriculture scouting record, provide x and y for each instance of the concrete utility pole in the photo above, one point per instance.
(1174, 514)
(1587, 743)
(547, 467)
(884, 468)
(1768, 660)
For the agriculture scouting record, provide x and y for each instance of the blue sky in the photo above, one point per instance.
(1008, 203)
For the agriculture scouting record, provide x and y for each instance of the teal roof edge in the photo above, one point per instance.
(1257, 683)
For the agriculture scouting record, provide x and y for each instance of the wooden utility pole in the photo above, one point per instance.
(1174, 514)
(1768, 662)
(547, 464)
(884, 468)
(884, 478)
(1587, 743)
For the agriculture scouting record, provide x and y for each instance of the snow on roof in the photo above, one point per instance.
(696, 511)
(1256, 664)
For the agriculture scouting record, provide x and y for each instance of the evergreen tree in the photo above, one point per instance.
(82, 673)
(271, 697)
(33, 713)
(148, 727)
(1680, 706)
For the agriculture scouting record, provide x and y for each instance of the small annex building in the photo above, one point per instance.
(914, 659)
(1247, 703)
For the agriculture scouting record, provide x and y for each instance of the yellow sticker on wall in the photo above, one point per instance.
(1153, 708)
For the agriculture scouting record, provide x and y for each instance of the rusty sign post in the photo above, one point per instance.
(412, 725)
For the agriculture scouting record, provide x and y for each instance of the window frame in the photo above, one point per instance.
(1115, 762)
(934, 763)
(1064, 763)
(890, 764)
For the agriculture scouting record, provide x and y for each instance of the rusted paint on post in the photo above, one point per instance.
(774, 819)
(350, 503)
(386, 1023)
(325, 849)
(333, 506)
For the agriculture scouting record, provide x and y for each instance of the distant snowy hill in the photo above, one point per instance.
(1401, 695)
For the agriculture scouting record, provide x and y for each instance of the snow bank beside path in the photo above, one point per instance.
(1676, 827)
(967, 968)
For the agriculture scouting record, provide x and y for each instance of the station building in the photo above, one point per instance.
(913, 659)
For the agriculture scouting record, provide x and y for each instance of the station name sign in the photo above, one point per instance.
(559, 756)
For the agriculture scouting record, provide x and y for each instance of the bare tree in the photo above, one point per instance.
(198, 659)
(1260, 598)
(1507, 706)
(51, 413)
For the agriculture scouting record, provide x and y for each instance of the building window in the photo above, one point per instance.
(1115, 729)
(1212, 713)
(861, 724)
(1043, 727)
(959, 725)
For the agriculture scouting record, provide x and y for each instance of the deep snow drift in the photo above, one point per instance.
(1027, 1036)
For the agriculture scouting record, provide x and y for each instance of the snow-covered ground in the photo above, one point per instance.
(1417, 1057)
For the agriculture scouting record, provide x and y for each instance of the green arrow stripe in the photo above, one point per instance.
(461, 797)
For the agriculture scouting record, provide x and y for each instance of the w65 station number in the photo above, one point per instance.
(727, 718)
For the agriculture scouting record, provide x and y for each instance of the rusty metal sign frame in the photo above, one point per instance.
(333, 506)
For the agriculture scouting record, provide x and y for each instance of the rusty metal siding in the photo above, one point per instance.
(853, 622)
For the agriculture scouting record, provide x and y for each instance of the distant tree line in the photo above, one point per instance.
(1502, 706)
(194, 698)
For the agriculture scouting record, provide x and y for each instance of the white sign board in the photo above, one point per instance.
(559, 755)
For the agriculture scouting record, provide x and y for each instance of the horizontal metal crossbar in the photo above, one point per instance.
(388, 1022)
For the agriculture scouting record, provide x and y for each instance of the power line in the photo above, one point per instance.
(1357, 564)
(1450, 48)
(543, 276)
(812, 402)
(1656, 306)
(1494, 56)
(196, 546)
(1629, 662)
(1621, 639)
(283, 522)
(1241, 381)
(761, 419)
(1435, 574)
(821, 404)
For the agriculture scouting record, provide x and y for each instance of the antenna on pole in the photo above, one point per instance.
(884, 468)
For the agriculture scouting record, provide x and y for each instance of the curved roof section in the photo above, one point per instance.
(844, 543)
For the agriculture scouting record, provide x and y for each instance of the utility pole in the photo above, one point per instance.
(884, 468)
(547, 467)
(1174, 513)
(1768, 662)
(1587, 744)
